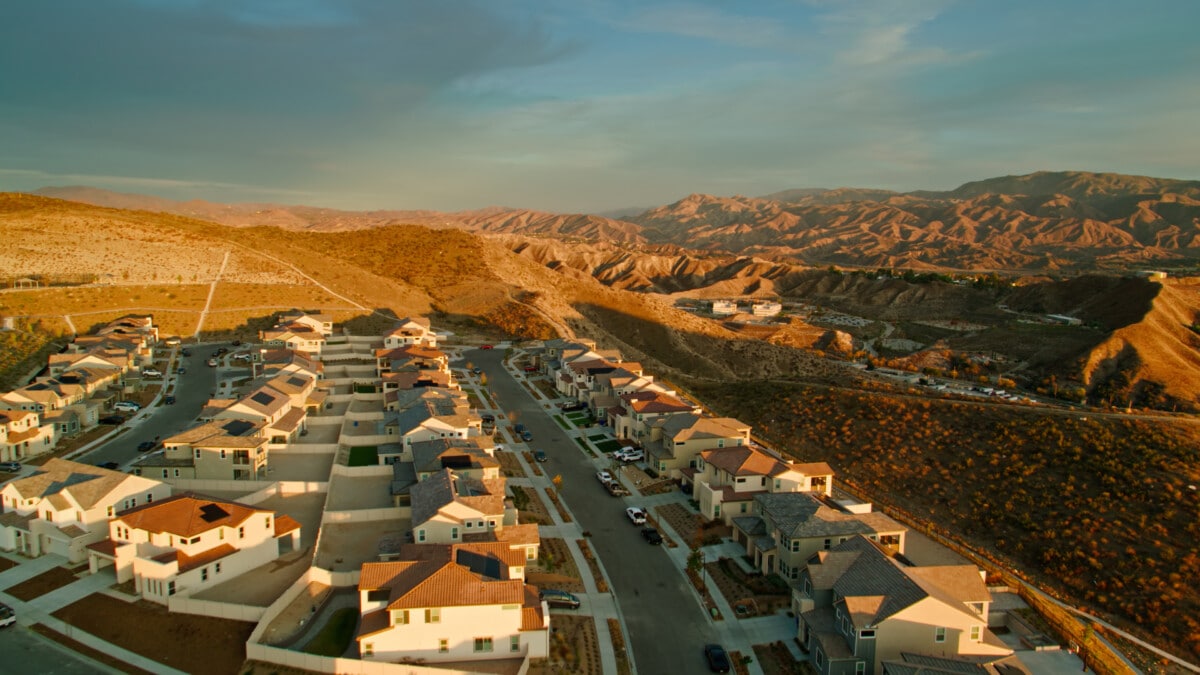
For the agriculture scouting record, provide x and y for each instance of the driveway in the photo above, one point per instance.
(658, 605)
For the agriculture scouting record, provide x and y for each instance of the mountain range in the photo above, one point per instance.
(1044, 222)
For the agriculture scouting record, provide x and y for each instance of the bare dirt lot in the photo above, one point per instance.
(195, 644)
(50, 580)
(574, 647)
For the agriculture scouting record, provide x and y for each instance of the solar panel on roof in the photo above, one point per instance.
(237, 427)
(262, 398)
(211, 513)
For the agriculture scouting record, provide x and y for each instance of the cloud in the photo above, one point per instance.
(881, 33)
(708, 23)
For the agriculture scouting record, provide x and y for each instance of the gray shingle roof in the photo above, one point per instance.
(800, 515)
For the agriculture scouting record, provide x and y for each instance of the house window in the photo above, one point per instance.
(976, 633)
(194, 540)
(860, 668)
(166, 473)
(939, 634)
(420, 535)
(743, 507)
(778, 483)
(171, 587)
(739, 480)
(197, 453)
(866, 634)
(267, 521)
(400, 618)
(514, 644)
(454, 533)
(443, 646)
(433, 615)
(149, 497)
(377, 595)
(242, 532)
(819, 659)
(483, 644)
(203, 574)
(828, 544)
(111, 511)
(795, 546)
(221, 534)
(217, 568)
(807, 586)
(716, 510)
(491, 523)
(177, 473)
(469, 524)
(720, 442)
(368, 649)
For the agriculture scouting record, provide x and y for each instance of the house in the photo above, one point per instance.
(450, 509)
(186, 543)
(64, 506)
(468, 457)
(764, 309)
(460, 602)
(424, 415)
(321, 323)
(638, 410)
(273, 362)
(296, 337)
(410, 331)
(223, 449)
(281, 421)
(676, 440)
(726, 480)
(785, 529)
(859, 607)
(411, 357)
(724, 307)
(22, 435)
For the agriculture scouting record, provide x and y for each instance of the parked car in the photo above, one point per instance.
(518, 428)
(243, 356)
(636, 514)
(222, 350)
(126, 406)
(145, 446)
(527, 435)
(557, 598)
(237, 343)
(11, 467)
(572, 406)
(531, 369)
(488, 418)
(7, 616)
(604, 477)
(181, 370)
(476, 370)
(186, 352)
(651, 536)
(152, 372)
(112, 466)
(629, 455)
(212, 363)
(718, 660)
(485, 346)
(616, 489)
(169, 400)
(112, 419)
(540, 455)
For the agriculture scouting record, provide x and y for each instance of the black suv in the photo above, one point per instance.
(146, 445)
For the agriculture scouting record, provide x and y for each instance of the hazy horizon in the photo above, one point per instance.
(591, 107)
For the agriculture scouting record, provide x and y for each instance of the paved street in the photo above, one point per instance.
(24, 651)
(658, 606)
(191, 391)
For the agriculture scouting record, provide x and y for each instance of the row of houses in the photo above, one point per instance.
(78, 387)
(859, 605)
(730, 307)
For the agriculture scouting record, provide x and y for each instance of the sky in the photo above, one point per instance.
(586, 105)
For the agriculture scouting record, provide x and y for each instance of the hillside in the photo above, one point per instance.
(1040, 222)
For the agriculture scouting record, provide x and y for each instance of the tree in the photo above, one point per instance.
(558, 481)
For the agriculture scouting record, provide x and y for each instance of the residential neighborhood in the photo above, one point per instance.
(437, 492)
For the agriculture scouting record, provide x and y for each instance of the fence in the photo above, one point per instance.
(220, 610)
(360, 471)
(365, 515)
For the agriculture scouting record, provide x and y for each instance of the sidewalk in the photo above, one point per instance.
(39, 610)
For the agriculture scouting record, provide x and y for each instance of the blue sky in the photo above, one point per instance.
(587, 105)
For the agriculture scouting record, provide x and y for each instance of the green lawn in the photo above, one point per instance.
(608, 446)
(335, 637)
(364, 455)
(364, 389)
(599, 438)
(577, 415)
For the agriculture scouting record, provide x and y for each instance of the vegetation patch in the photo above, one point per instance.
(23, 352)
(608, 446)
(93, 654)
(618, 643)
(364, 455)
(335, 636)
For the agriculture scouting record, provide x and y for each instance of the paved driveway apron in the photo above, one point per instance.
(667, 624)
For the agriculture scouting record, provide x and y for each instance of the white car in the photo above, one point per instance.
(604, 477)
(152, 372)
(636, 514)
(630, 455)
(126, 406)
(241, 357)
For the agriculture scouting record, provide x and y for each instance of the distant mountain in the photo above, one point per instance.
(1043, 221)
